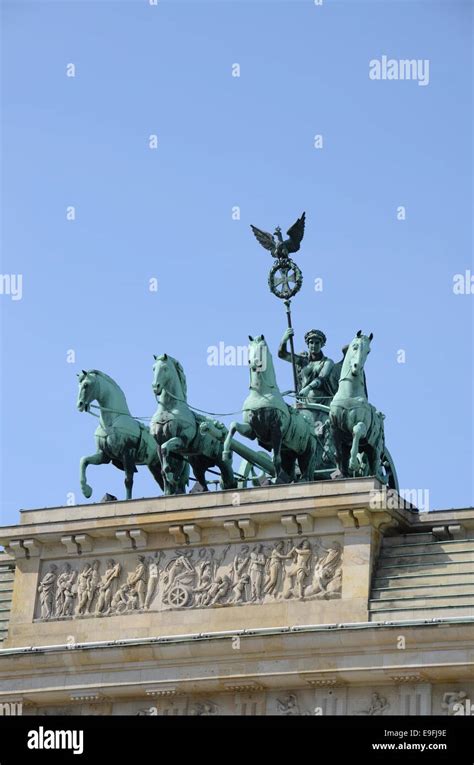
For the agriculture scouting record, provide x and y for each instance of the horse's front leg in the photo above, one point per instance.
(99, 458)
(244, 429)
(358, 431)
(172, 445)
(227, 474)
(129, 469)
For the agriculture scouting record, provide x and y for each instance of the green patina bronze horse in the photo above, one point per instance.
(278, 427)
(120, 438)
(357, 427)
(180, 431)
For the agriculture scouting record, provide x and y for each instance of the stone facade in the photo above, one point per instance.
(322, 598)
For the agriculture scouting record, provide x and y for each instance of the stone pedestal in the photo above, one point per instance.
(249, 602)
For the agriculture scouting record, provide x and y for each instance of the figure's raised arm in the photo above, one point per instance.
(283, 352)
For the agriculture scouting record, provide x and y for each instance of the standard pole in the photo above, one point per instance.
(292, 346)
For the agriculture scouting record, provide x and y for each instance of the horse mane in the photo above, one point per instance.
(344, 364)
(110, 380)
(106, 377)
(182, 376)
(179, 372)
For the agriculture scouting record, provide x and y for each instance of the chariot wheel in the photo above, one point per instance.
(178, 596)
(250, 475)
(388, 467)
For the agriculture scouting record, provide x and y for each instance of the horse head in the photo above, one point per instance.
(95, 385)
(168, 374)
(357, 353)
(258, 353)
(262, 372)
(88, 385)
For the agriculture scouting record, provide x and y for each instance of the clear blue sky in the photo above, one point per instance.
(226, 141)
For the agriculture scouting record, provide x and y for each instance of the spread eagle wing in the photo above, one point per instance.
(264, 238)
(296, 233)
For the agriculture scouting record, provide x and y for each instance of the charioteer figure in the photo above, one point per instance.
(312, 366)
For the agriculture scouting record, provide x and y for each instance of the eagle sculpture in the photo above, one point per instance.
(281, 248)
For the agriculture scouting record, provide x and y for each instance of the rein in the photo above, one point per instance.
(194, 408)
(183, 400)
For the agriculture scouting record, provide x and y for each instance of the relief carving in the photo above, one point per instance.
(453, 702)
(104, 601)
(297, 572)
(200, 708)
(289, 706)
(93, 585)
(275, 568)
(83, 584)
(64, 600)
(153, 576)
(206, 577)
(137, 584)
(204, 709)
(378, 705)
(46, 589)
(327, 575)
